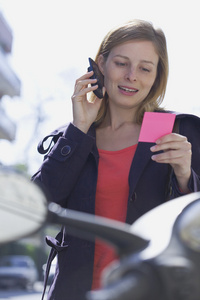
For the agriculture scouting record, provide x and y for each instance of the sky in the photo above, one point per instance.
(52, 40)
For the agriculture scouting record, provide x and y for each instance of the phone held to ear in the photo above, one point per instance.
(97, 75)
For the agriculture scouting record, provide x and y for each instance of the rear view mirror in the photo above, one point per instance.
(23, 206)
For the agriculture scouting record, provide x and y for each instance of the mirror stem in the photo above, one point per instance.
(90, 227)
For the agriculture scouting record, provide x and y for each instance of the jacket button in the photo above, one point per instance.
(65, 150)
(133, 197)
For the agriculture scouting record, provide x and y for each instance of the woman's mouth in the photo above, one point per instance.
(127, 90)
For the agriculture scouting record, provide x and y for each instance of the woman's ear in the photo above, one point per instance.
(101, 63)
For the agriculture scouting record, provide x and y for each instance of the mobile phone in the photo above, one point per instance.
(97, 75)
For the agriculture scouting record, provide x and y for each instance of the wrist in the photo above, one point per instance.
(81, 126)
(183, 182)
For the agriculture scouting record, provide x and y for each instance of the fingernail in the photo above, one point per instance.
(153, 157)
(158, 141)
(153, 148)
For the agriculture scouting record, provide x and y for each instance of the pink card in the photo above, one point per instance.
(156, 125)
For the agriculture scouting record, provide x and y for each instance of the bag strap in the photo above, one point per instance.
(51, 257)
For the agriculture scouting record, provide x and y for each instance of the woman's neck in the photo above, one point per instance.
(117, 119)
(117, 133)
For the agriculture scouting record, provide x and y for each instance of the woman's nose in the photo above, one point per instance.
(131, 74)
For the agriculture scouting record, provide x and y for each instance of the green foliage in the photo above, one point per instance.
(21, 167)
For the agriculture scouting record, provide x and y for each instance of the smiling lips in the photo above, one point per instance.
(128, 90)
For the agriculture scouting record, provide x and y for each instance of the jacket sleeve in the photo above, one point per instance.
(63, 164)
(193, 185)
(190, 127)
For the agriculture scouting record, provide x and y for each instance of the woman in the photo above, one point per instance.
(97, 164)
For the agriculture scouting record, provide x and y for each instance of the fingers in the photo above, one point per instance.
(78, 94)
(173, 157)
(176, 150)
(84, 85)
(84, 112)
(84, 81)
(172, 141)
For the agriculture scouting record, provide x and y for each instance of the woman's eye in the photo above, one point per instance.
(145, 70)
(120, 64)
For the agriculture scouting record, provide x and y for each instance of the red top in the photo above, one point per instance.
(111, 199)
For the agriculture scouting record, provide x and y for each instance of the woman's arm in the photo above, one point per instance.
(63, 164)
(183, 152)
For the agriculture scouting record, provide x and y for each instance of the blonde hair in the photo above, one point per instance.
(138, 30)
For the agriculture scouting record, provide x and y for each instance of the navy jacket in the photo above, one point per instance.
(69, 173)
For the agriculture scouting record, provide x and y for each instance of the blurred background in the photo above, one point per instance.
(44, 48)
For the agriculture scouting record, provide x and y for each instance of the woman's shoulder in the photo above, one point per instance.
(188, 120)
(181, 115)
(189, 125)
(186, 124)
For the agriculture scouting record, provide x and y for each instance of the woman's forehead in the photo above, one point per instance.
(142, 50)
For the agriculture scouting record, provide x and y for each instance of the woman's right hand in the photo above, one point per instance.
(84, 112)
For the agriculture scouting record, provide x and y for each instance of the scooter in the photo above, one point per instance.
(159, 253)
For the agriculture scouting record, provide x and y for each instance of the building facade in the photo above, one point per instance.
(9, 82)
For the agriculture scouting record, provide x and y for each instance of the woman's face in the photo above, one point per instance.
(129, 72)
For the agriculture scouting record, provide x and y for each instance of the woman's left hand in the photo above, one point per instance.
(177, 152)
